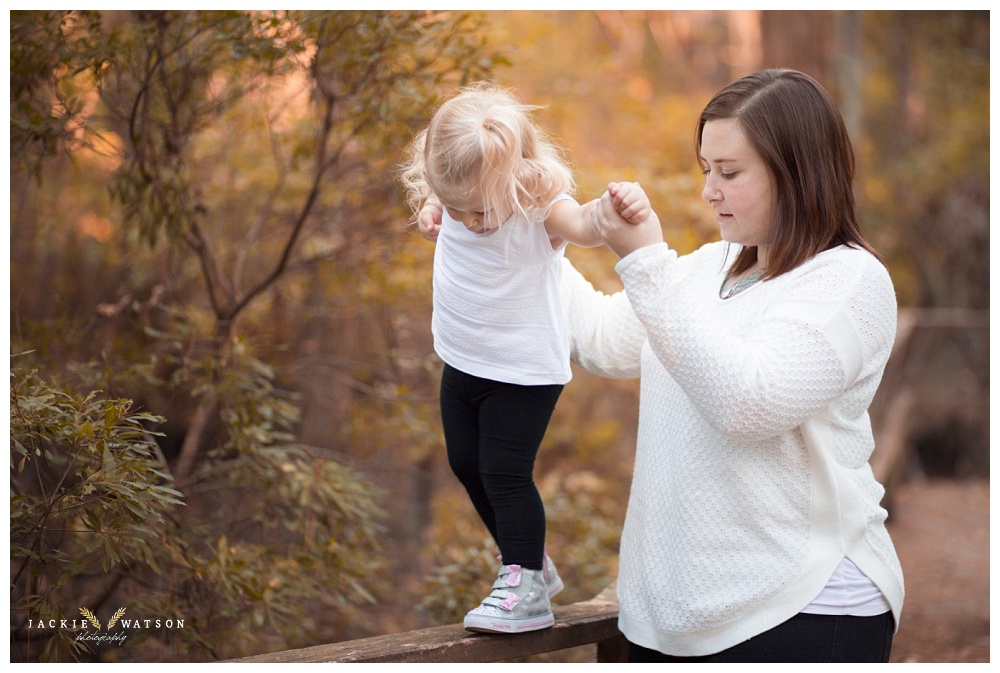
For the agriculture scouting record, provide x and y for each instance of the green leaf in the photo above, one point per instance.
(93, 522)
(108, 462)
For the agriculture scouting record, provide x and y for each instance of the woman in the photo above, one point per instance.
(754, 530)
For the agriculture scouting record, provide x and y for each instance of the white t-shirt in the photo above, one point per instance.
(498, 313)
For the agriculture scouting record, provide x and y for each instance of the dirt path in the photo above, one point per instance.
(941, 529)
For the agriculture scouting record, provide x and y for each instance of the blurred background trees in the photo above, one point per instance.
(208, 242)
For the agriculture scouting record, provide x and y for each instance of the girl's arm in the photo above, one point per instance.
(429, 220)
(572, 222)
(567, 220)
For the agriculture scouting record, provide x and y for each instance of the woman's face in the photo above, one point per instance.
(738, 185)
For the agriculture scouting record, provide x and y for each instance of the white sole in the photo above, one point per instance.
(485, 624)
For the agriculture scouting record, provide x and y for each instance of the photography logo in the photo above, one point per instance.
(90, 630)
(96, 623)
(106, 637)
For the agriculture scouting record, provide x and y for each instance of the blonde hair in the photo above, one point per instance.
(484, 143)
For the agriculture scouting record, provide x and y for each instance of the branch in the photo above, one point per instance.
(193, 438)
(49, 511)
(267, 209)
(300, 221)
(195, 239)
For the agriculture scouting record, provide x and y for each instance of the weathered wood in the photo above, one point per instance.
(898, 399)
(593, 621)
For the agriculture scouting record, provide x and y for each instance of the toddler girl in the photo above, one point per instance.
(494, 193)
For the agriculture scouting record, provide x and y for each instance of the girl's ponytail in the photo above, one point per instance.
(501, 141)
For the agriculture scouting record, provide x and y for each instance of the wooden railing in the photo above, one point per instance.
(593, 622)
(897, 405)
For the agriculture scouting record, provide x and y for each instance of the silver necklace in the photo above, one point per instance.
(740, 285)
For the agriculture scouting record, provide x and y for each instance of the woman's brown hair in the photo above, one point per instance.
(796, 128)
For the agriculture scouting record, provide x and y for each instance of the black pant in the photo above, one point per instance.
(804, 638)
(492, 431)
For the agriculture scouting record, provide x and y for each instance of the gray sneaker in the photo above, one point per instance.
(519, 602)
(552, 579)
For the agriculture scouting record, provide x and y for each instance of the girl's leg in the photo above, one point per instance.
(512, 422)
(493, 431)
(461, 397)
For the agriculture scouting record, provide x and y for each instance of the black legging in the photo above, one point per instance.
(492, 431)
(805, 638)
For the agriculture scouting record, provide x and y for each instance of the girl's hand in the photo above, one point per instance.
(630, 201)
(429, 220)
(618, 233)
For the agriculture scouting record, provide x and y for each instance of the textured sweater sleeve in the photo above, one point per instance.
(831, 323)
(606, 338)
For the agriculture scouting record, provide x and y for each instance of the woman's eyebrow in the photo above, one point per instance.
(717, 161)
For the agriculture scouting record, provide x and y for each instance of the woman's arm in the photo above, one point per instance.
(829, 329)
(605, 336)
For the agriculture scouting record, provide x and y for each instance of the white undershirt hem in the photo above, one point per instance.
(849, 592)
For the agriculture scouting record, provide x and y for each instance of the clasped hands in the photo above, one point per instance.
(622, 217)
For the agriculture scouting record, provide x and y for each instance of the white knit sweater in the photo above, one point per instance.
(751, 478)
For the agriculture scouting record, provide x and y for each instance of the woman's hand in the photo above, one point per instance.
(618, 233)
(429, 220)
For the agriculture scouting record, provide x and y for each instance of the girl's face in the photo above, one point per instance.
(738, 185)
(472, 214)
